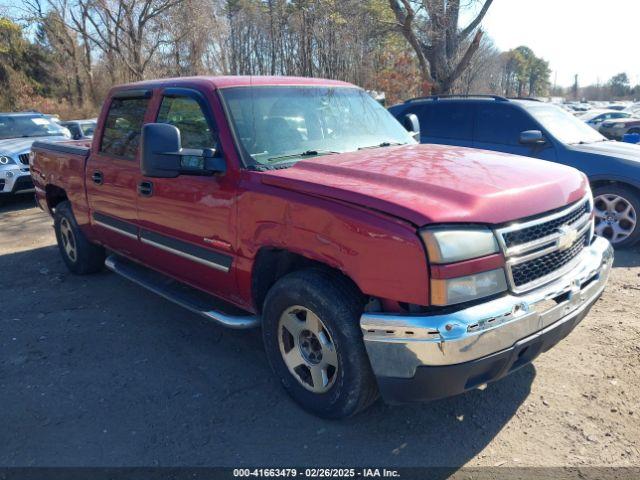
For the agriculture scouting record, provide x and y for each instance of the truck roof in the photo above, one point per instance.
(234, 81)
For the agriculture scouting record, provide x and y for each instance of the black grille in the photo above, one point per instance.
(23, 183)
(545, 229)
(24, 158)
(539, 267)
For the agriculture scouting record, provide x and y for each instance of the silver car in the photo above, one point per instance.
(594, 118)
(17, 132)
(615, 129)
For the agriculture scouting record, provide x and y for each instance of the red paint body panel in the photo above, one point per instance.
(382, 255)
(426, 184)
(357, 212)
(65, 171)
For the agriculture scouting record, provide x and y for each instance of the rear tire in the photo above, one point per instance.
(617, 208)
(80, 255)
(311, 318)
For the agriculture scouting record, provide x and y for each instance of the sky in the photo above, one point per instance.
(592, 38)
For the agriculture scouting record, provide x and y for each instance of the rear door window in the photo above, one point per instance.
(123, 127)
(450, 119)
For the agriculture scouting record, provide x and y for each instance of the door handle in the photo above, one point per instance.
(145, 189)
(97, 177)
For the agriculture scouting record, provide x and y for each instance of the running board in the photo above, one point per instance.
(185, 296)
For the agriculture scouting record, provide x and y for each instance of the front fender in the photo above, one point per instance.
(382, 255)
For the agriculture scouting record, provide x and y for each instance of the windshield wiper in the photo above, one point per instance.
(306, 153)
(583, 142)
(383, 144)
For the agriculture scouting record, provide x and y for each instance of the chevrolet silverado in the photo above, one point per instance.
(373, 264)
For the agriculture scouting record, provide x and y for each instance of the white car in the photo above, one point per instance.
(17, 132)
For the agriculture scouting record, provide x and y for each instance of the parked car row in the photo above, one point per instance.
(17, 133)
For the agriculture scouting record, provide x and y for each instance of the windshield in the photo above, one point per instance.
(564, 126)
(593, 114)
(22, 126)
(88, 128)
(278, 124)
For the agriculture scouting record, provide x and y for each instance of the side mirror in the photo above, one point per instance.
(532, 137)
(163, 156)
(412, 124)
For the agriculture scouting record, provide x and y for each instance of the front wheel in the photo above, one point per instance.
(616, 214)
(314, 345)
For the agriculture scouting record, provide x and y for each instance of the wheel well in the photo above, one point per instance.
(601, 183)
(271, 264)
(55, 195)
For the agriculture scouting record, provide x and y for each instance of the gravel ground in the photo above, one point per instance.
(96, 371)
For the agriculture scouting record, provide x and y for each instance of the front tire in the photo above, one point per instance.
(312, 338)
(80, 255)
(616, 214)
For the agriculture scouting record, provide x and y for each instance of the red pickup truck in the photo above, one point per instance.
(372, 263)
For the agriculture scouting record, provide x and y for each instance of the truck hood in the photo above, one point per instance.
(16, 146)
(626, 151)
(426, 184)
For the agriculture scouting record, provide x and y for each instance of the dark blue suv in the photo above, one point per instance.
(541, 130)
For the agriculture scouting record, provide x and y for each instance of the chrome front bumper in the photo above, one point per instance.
(398, 344)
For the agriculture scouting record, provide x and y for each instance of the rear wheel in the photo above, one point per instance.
(80, 255)
(616, 214)
(313, 341)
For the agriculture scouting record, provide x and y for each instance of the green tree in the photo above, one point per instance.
(23, 66)
(525, 74)
(620, 86)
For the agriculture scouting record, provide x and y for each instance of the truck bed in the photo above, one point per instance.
(61, 164)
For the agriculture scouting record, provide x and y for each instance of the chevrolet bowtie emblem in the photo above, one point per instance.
(568, 236)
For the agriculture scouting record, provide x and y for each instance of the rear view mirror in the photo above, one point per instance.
(532, 137)
(412, 124)
(163, 156)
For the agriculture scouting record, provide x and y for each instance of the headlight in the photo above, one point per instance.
(454, 244)
(470, 287)
(4, 160)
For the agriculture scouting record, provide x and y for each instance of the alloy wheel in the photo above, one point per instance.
(307, 349)
(615, 217)
(68, 240)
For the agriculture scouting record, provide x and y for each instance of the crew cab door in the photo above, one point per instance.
(187, 223)
(113, 171)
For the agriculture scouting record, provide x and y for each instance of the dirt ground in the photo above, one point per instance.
(96, 371)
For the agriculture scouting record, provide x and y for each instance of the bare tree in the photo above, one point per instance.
(431, 28)
(483, 72)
